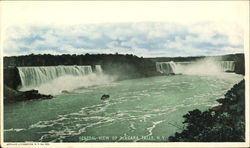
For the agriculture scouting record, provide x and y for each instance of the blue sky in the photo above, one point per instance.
(148, 39)
(148, 29)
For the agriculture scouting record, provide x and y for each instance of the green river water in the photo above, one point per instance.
(138, 110)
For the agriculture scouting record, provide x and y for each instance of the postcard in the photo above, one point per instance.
(125, 74)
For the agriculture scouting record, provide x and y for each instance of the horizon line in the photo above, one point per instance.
(33, 54)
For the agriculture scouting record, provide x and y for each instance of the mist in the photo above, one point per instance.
(69, 83)
(206, 66)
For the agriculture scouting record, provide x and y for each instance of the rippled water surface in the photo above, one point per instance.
(147, 109)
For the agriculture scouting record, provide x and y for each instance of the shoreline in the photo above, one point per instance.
(221, 123)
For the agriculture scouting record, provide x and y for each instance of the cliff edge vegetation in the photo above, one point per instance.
(223, 123)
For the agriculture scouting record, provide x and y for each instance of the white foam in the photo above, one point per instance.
(69, 83)
(205, 66)
(150, 129)
(14, 130)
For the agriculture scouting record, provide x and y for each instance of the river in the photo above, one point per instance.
(145, 109)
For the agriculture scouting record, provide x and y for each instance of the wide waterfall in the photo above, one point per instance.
(205, 66)
(56, 79)
(33, 76)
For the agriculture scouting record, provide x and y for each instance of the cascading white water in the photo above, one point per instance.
(205, 67)
(57, 79)
(34, 76)
(98, 69)
(166, 67)
(227, 65)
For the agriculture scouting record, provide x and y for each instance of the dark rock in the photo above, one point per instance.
(217, 108)
(11, 95)
(33, 94)
(66, 92)
(104, 97)
(11, 77)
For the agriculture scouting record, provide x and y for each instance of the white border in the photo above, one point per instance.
(147, 144)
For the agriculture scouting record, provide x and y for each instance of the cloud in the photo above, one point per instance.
(146, 39)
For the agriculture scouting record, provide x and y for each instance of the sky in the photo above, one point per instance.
(143, 28)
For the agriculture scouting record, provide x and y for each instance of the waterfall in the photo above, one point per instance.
(34, 76)
(202, 67)
(227, 65)
(166, 67)
(55, 80)
(98, 69)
